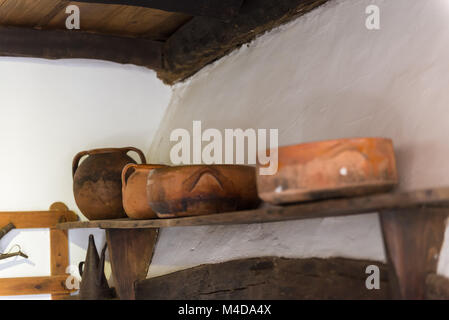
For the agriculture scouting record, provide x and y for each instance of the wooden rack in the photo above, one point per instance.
(413, 225)
(59, 251)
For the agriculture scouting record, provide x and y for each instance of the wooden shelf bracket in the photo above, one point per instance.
(412, 240)
(130, 253)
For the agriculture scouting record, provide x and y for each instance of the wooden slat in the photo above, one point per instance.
(318, 209)
(59, 251)
(222, 9)
(59, 256)
(33, 285)
(38, 219)
(58, 44)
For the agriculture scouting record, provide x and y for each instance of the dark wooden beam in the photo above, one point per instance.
(203, 40)
(221, 9)
(268, 278)
(62, 44)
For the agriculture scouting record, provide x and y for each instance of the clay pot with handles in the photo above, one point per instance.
(134, 190)
(97, 184)
(201, 189)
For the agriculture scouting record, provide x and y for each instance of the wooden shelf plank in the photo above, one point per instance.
(38, 219)
(317, 209)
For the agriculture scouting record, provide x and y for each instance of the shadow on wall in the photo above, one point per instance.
(10, 244)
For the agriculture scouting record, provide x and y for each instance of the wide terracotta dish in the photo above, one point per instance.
(134, 190)
(201, 189)
(97, 184)
(327, 169)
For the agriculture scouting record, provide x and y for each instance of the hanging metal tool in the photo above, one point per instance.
(6, 229)
(13, 254)
(3, 232)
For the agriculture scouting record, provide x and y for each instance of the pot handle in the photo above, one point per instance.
(125, 171)
(138, 151)
(76, 161)
(80, 268)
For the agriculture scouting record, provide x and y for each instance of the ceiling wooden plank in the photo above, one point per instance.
(45, 19)
(221, 9)
(26, 13)
(203, 40)
(123, 20)
(59, 44)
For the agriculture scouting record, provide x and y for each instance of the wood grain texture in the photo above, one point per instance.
(203, 40)
(123, 20)
(38, 219)
(268, 278)
(130, 253)
(27, 13)
(58, 44)
(59, 255)
(317, 209)
(109, 31)
(33, 285)
(437, 287)
(59, 251)
(413, 240)
(221, 9)
(120, 20)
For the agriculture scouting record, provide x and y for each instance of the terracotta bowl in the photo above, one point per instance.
(328, 169)
(201, 189)
(134, 190)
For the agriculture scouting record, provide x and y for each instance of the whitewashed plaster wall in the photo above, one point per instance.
(50, 110)
(322, 76)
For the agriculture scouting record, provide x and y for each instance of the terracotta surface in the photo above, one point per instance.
(327, 169)
(201, 189)
(134, 190)
(97, 184)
